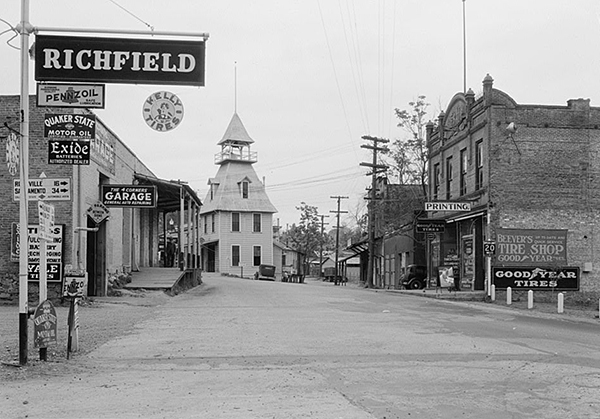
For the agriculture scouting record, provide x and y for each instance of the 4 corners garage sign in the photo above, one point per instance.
(141, 196)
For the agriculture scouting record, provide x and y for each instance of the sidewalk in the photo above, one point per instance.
(543, 305)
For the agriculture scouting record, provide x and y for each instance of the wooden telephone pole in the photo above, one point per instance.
(375, 170)
(321, 247)
(337, 235)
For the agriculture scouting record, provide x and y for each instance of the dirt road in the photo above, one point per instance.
(236, 348)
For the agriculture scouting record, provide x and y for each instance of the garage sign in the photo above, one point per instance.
(133, 196)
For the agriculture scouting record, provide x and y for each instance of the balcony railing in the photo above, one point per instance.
(248, 156)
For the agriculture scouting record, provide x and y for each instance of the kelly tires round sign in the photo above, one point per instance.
(163, 111)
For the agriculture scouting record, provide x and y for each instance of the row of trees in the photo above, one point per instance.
(407, 161)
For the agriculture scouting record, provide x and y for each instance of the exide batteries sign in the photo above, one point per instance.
(119, 60)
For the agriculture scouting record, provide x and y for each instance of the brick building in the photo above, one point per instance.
(126, 240)
(528, 174)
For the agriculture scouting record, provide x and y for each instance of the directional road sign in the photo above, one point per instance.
(47, 189)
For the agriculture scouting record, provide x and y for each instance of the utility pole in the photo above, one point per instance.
(24, 30)
(375, 170)
(321, 249)
(337, 234)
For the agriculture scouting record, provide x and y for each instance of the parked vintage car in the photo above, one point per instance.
(329, 274)
(265, 272)
(415, 277)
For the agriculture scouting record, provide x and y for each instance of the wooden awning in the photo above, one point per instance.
(169, 192)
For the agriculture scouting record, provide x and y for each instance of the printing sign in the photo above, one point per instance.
(119, 60)
(70, 95)
(131, 196)
(448, 206)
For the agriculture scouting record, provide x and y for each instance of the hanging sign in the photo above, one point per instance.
(129, 196)
(98, 212)
(60, 95)
(119, 60)
(12, 153)
(74, 152)
(163, 111)
(46, 216)
(448, 206)
(430, 226)
(69, 126)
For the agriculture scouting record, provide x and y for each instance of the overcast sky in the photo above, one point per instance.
(314, 76)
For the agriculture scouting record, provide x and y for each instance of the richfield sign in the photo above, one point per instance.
(119, 60)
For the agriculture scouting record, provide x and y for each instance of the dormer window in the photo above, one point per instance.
(213, 188)
(245, 187)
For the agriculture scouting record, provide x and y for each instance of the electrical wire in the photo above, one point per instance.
(130, 13)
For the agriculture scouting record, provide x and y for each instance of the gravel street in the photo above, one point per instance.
(234, 348)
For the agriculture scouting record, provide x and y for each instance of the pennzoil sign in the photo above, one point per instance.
(70, 95)
(132, 196)
(119, 60)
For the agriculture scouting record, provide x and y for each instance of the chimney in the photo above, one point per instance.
(579, 104)
(488, 82)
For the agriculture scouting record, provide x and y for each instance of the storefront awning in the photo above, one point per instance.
(170, 192)
(356, 249)
(466, 216)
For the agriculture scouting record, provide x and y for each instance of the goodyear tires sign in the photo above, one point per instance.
(537, 278)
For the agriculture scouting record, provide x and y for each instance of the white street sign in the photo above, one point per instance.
(46, 216)
(47, 189)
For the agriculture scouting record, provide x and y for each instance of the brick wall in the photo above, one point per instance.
(543, 177)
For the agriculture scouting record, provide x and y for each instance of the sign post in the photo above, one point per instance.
(24, 29)
(489, 250)
(75, 287)
(46, 217)
(182, 63)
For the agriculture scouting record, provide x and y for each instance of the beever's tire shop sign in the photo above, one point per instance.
(529, 259)
(119, 60)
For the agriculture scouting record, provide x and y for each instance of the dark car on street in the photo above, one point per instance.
(415, 277)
